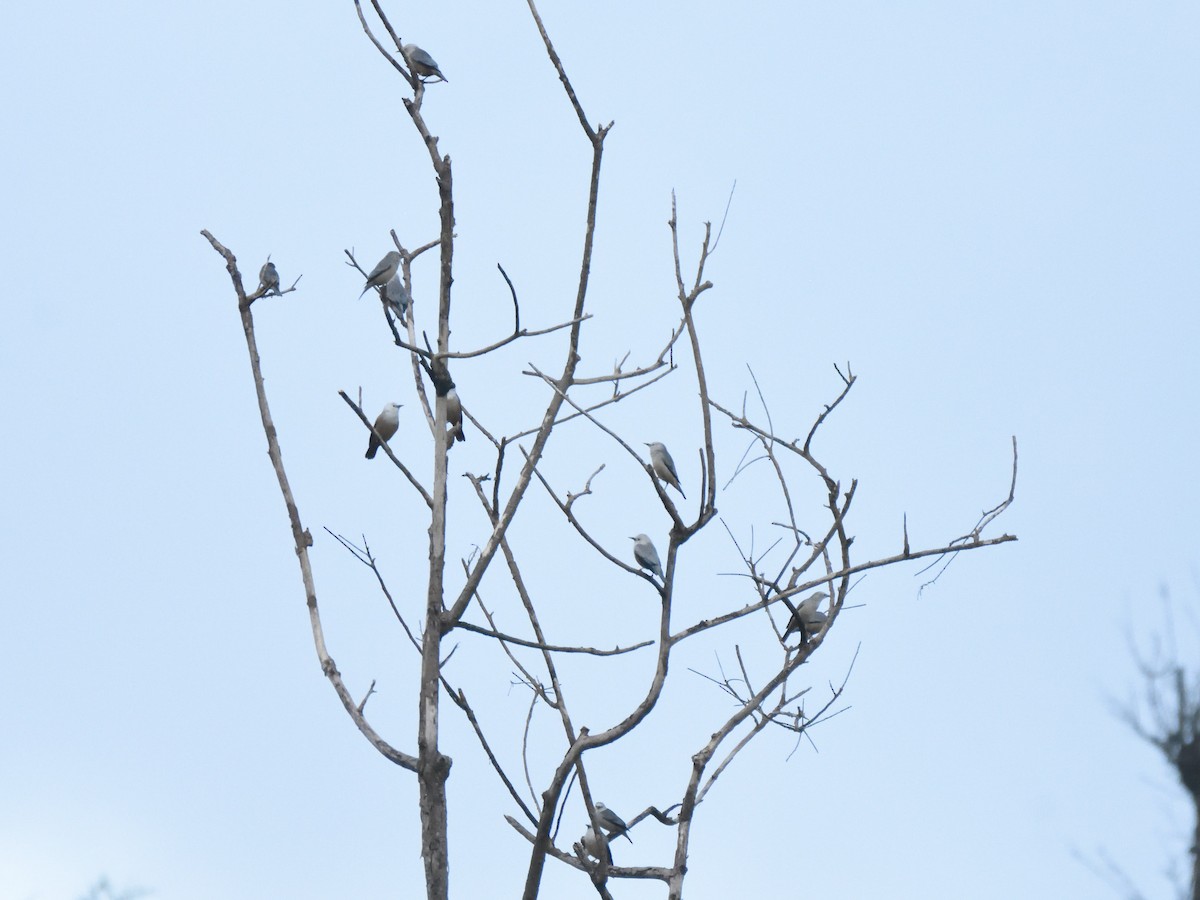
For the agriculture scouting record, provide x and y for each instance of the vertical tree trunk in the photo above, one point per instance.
(433, 768)
(1183, 750)
(1195, 892)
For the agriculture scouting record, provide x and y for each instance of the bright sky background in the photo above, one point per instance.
(990, 210)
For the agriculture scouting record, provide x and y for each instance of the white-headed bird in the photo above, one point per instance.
(421, 62)
(807, 618)
(386, 424)
(646, 555)
(611, 822)
(664, 466)
(596, 844)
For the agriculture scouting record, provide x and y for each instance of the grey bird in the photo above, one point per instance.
(421, 62)
(664, 466)
(454, 415)
(807, 618)
(595, 844)
(386, 424)
(646, 555)
(611, 822)
(396, 296)
(382, 273)
(268, 278)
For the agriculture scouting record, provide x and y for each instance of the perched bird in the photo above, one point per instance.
(595, 844)
(807, 618)
(268, 278)
(454, 415)
(421, 62)
(664, 466)
(386, 424)
(396, 296)
(646, 555)
(611, 822)
(383, 272)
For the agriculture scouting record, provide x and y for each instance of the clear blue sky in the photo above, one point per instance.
(990, 210)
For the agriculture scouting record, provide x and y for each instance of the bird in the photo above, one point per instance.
(807, 618)
(646, 555)
(592, 843)
(454, 415)
(383, 272)
(268, 278)
(611, 822)
(386, 424)
(421, 62)
(664, 466)
(396, 296)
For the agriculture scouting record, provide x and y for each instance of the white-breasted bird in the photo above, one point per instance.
(386, 424)
(611, 822)
(383, 272)
(421, 62)
(596, 844)
(664, 466)
(646, 555)
(807, 618)
(268, 278)
(454, 415)
(396, 296)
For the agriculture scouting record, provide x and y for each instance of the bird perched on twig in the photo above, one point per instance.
(646, 555)
(383, 272)
(421, 62)
(386, 424)
(611, 822)
(396, 296)
(454, 415)
(807, 618)
(596, 844)
(664, 466)
(268, 278)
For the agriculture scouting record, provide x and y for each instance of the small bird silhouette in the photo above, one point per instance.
(421, 62)
(268, 278)
(807, 618)
(383, 272)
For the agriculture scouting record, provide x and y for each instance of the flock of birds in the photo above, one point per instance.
(385, 278)
(424, 67)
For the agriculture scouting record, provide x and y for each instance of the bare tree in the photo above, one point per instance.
(800, 561)
(1168, 718)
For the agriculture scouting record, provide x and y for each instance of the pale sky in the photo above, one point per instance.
(990, 211)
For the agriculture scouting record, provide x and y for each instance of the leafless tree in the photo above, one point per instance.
(1168, 718)
(764, 691)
